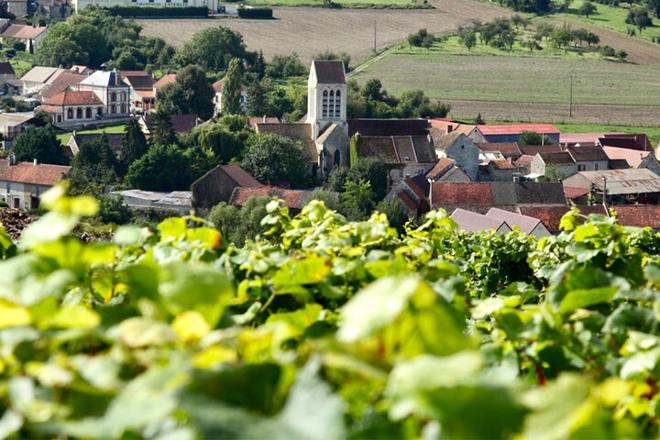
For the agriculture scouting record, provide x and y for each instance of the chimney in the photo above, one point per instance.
(34, 162)
(264, 119)
(450, 128)
(12, 159)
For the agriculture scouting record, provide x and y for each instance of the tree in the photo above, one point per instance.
(163, 168)
(357, 200)
(285, 66)
(519, 21)
(587, 8)
(273, 158)
(257, 104)
(479, 120)
(225, 144)
(231, 90)
(374, 172)
(39, 143)
(395, 211)
(113, 211)
(639, 17)
(96, 154)
(240, 224)
(329, 198)
(334, 56)
(191, 93)
(212, 49)
(469, 40)
(162, 131)
(133, 145)
(533, 138)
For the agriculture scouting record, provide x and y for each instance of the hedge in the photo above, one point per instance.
(263, 13)
(157, 11)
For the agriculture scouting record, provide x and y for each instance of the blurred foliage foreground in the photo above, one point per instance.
(327, 329)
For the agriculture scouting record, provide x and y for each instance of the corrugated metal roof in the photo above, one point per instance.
(629, 181)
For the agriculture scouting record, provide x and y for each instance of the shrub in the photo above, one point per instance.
(256, 13)
(173, 11)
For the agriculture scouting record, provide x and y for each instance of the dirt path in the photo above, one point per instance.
(308, 31)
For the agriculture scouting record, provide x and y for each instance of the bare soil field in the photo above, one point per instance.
(308, 31)
(556, 113)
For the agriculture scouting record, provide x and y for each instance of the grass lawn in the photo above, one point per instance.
(344, 3)
(111, 129)
(515, 78)
(611, 17)
(22, 62)
(652, 132)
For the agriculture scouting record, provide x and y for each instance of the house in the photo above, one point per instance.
(73, 108)
(459, 147)
(167, 79)
(18, 8)
(445, 170)
(625, 186)
(529, 225)
(632, 159)
(252, 121)
(533, 150)
(7, 75)
(524, 164)
(446, 126)
(63, 81)
(562, 162)
(79, 5)
(481, 196)
(474, 222)
(37, 77)
(509, 150)
(13, 124)
(77, 140)
(111, 90)
(141, 89)
(406, 156)
(512, 132)
(502, 171)
(217, 99)
(627, 215)
(180, 123)
(589, 158)
(176, 201)
(639, 142)
(218, 185)
(27, 34)
(23, 183)
(294, 199)
(581, 139)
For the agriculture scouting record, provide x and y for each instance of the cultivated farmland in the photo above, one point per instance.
(496, 86)
(308, 31)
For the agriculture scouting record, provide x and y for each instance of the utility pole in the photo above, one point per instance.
(570, 97)
(375, 46)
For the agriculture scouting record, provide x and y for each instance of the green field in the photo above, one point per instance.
(22, 62)
(613, 18)
(111, 129)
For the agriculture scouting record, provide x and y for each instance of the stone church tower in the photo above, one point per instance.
(326, 96)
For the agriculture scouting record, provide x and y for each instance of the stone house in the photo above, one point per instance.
(632, 158)
(141, 89)
(459, 147)
(218, 185)
(218, 86)
(445, 170)
(13, 124)
(563, 162)
(502, 171)
(509, 150)
(23, 183)
(109, 87)
(589, 158)
(29, 35)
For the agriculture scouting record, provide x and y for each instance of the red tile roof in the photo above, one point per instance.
(23, 31)
(517, 129)
(407, 200)
(573, 192)
(74, 97)
(457, 194)
(562, 158)
(165, 80)
(627, 215)
(633, 157)
(240, 176)
(502, 165)
(40, 174)
(533, 150)
(508, 149)
(440, 168)
(292, 198)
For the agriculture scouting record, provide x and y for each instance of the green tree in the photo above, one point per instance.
(274, 158)
(113, 211)
(162, 131)
(163, 168)
(639, 16)
(395, 211)
(587, 8)
(39, 143)
(96, 154)
(329, 198)
(285, 66)
(225, 144)
(133, 145)
(240, 224)
(533, 138)
(469, 40)
(231, 90)
(212, 49)
(191, 93)
(257, 103)
(357, 200)
(372, 171)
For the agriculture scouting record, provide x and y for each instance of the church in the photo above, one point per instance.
(404, 144)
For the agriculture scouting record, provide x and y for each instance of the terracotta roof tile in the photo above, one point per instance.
(502, 165)
(572, 192)
(508, 149)
(23, 31)
(628, 215)
(533, 150)
(292, 198)
(166, 79)
(457, 194)
(74, 97)
(407, 200)
(440, 168)
(40, 174)
(490, 130)
(633, 157)
(240, 176)
(557, 158)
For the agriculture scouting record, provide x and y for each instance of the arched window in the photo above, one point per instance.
(123, 96)
(338, 104)
(69, 113)
(113, 109)
(337, 158)
(88, 113)
(123, 108)
(331, 106)
(113, 96)
(99, 111)
(79, 113)
(324, 107)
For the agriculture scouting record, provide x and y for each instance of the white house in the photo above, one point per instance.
(218, 87)
(111, 90)
(23, 183)
(29, 35)
(74, 108)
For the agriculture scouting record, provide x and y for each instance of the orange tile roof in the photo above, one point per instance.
(74, 97)
(502, 164)
(24, 31)
(517, 129)
(40, 174)
(633, 157)
(292, 198)
(165, 80)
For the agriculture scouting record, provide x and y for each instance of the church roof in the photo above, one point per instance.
(388, 127)
(329, 72)
(397, 149)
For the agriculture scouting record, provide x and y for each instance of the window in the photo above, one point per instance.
(88, 113)
(123, 96)
(581, 167)
(596, 166)
(331, 106)
(123, 108)
(58, 118)
(113, 97)
(99, 111)
(324, 107)
(338, 104)
(69, 113)
(79, 113)
(113, 109)
(337, 158)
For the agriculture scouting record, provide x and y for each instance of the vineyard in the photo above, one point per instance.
(328, 329)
